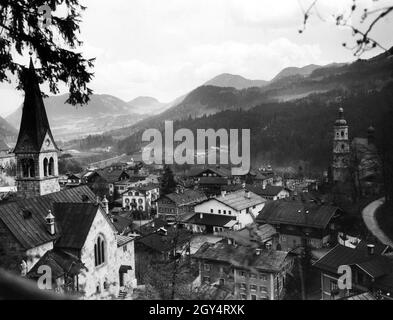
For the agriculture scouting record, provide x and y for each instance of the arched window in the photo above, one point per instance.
(28, 168)
(99, 251)
(51, 167)
(46, 164)
(31, 168)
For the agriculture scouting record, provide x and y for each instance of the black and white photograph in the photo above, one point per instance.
(224, 151)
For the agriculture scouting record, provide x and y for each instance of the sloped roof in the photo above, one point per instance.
(74, 221)
(362, 296)
(213, 180)
(209, 219)
(111, 175)
(122, 240)
(269, 191)
(296, 213)
(239, 201)
(186, 197)
(34, 124)
(163, 243)
(375, 265)
(26, 218)
(60, 262)
(251, 234)
(242, 256)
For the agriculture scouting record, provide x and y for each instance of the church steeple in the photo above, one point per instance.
(341, 149)
(36, 151)
(34, 125)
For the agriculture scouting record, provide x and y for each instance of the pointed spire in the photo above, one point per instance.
(34, 124)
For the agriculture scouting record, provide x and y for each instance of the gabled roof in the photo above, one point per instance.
(186, 197)
(209, 219)
(238, 200)
(34, 124)
(296, 213)
(26, 218)
(74, 221)
(251, 235)
(374, 265)
(60, 262)
(242, 256)
(213, 180)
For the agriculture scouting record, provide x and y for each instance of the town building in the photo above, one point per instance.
(251, 273)
(141, 197)
(69, 230)
(299, 223)
(180, 205)
(7, 158)
(371, 268)
(270, 192)
(243, 205)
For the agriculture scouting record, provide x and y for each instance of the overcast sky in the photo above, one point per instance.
(167, 48)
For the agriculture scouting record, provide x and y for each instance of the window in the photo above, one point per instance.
(263, 277)
(207, 267)
(222, 282)
(206, 279)
(99, 251)
(221, 269)
(263, 289)
(225, 212)
(219, 211)
(28, 168)
(229, 212)
(46, 164)
(51, 168)
(253, 287)
(253, 297)
(253, 276)
(243, 286)
(243, 297)
(242, 273)
(125, 248)
(211, 210)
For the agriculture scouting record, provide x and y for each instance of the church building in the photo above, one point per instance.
(67, 231)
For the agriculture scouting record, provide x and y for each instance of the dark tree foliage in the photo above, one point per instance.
(168, 184)
(22, 30)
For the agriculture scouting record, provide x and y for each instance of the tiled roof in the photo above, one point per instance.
(375, 265)
(34, 124)
(74, 221)
(121, 223)
(60, 262)
(209, 219)
(26, 218)
(239, 201)
(296, 213)
(186, 197)
(122, 240)
(242, 256)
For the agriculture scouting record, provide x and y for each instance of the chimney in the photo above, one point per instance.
(264, 185)
(223, 193)
(105, 204)
(153, 225)
(258, 251)
(248, 194)
(50, 223)
(370, 249)
(201, 215)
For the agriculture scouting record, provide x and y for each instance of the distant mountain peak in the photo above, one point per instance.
(234, 81)
(296, 71)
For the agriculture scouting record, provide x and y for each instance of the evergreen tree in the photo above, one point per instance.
(168, 184)
(37, 27)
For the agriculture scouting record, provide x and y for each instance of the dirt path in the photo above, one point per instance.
(369, 218)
